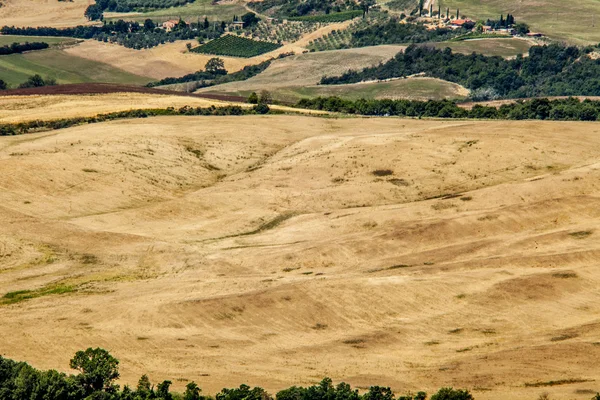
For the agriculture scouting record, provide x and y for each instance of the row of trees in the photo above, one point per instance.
(22, 47)
(298, 8)
(392, 32)
(550, 70)
(95, 11)
(98, 372)
(570, 109)
(130, 34)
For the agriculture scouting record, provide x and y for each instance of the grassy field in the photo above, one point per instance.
(65, 68)
(412, 88)
(578, 23)
(262, 240)
(508, 47)
(191, 11)
(307, 69)
(10, 39)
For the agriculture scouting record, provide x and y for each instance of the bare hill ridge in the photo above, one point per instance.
(276, 250)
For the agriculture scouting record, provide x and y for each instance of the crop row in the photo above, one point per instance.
(235, 46)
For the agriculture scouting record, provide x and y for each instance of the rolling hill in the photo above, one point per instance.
(275, 250)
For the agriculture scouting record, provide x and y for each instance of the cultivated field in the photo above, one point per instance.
(417, 88)
(303, 70)
(509, 47)
(577, 24)
(276, 250)
(63, 66)
(43, 13)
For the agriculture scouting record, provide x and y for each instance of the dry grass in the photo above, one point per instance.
(25, 108)
(43, 13)
(292, 300)
(304, 70)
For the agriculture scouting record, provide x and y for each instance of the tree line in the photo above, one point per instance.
(391, 31)
(22, 47)
(97, 372)
(130, 34)
(20, 128)
(549, 70)
(96, 11)
(569, 109)
(299, 8)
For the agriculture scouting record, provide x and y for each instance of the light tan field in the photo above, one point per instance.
(304, 71)
(43, 13)
(173, 59)
(264, 250)
(27, 108)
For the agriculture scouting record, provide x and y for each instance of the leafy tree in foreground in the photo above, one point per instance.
(192, 392)
(98, 369)
(452, 394)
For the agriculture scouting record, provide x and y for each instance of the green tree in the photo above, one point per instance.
(265, 97)
(3, 85)
(452, 394)
(250, 19)
(206, 24)
(253, 98)
(215, 66)
(144, 387)
(98, 369)
(192, 392)
(149, 25)
(162, 391)
(93, 13)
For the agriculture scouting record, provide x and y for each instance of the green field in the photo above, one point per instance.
(10, 39)
(65, 68)
(235, 46)
(503, 47)
(577, 22)
(189, 12)
(412, 88)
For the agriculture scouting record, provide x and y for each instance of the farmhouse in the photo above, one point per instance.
(170, 24)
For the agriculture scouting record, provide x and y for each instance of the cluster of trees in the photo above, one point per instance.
(570, 109)
(37, 81)
(206, 78)
(21, 47)
(130, 34)
(249, 19)
(298, 8)
(33, 81)
(80, 31)
(392, 32)
(507, 22)
(95, 11)
(550, 70)
(98, 371)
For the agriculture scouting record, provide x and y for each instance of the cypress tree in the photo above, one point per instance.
(457, 13)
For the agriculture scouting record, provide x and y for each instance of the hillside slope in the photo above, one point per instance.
(276, 250)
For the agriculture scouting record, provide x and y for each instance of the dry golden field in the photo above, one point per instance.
(43, 13)
(275, 250)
